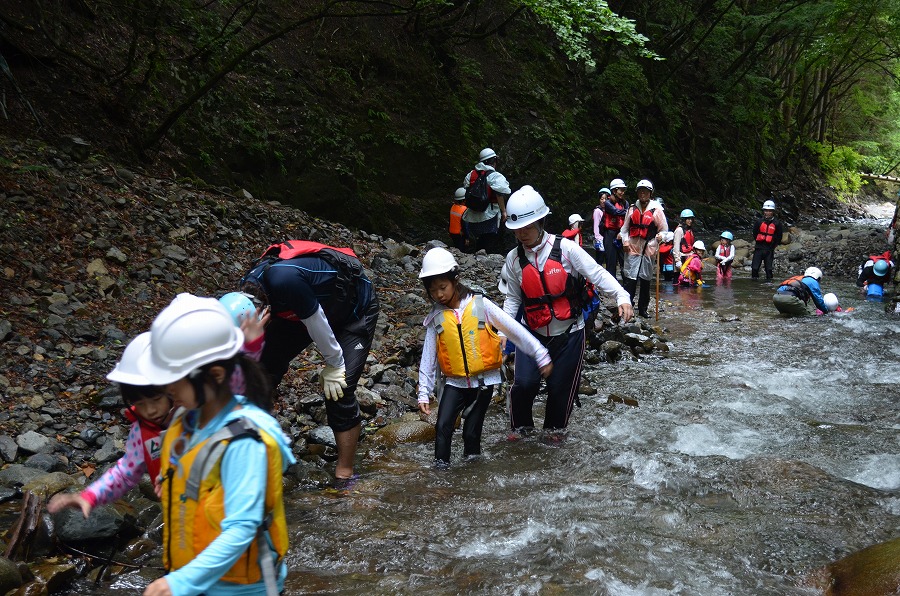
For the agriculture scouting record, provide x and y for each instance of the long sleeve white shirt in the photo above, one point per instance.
(574, 259)
(493, 315)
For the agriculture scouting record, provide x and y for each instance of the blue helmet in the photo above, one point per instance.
(238, 305)
(728, 236)
(604, 190)
(880, 267)
(686, 214)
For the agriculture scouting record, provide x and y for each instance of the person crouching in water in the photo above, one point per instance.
(794, 293)
(691, 273)
(471, 367)
(874, 275)
(725, 257)
(223, 456)
(545, 274)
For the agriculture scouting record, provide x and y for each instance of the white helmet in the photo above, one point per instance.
(575, 217)
(189, 333)
(460, 194)
(486, 153)
(813, 272)
(126, 369)
(437, 261)
(617, 183)
(645, 184)
(698, 245)
(831, 302)
(525, 206)
(769, 205)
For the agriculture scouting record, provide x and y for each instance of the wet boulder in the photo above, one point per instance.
(873, 571)
(105, 521)
(405, 431)
(10, 578)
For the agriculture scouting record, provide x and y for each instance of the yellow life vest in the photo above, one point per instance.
(469, 347)
(193, 501)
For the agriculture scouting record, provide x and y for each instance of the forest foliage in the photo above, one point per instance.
(383, 104)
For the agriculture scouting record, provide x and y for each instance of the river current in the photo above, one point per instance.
(761, 449)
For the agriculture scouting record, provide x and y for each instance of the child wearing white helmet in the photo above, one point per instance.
(545, 274)
(615, 207)
(691, 271)
(471, 368)
(223, 457)
(150, 411)
(573, 232)
(724, 257)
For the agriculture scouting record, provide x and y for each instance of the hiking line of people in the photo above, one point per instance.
(200, 385)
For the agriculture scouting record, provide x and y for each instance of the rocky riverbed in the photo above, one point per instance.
(93, 251)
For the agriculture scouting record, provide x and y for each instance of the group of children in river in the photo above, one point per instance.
(201, 405)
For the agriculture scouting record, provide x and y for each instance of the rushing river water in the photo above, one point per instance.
(762, 448)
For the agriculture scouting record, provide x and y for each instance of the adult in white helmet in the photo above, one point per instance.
(874, 275)
(793, 294)
(485, 219)
(472, 367)
(767, 232)
(542, 276)
(220, 490)
(641, 232)
(320, 295)
(684, 238)
(614, 209)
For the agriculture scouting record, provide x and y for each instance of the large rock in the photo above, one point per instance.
(411, 431)
(35, 442)
(10, 578)
(104, 522)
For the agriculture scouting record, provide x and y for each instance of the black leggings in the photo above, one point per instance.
(453, 401)
(286, 339)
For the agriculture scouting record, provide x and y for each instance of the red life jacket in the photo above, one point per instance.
(456, 213)
(151, 439)
(687, 241)
(766, 232)
(549, 293)
(665, 253)
(640, 223)
(613, 222)
(885, 256)
(573, 235)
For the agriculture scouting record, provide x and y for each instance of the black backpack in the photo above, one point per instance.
(477, 197)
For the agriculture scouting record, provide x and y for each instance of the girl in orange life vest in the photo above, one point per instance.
(691, 271)
(224, 526)
(458, 229)
(724, 257)
(767, 232)
(543, 274)
(471, 367)
(574, 231)
(644, 225)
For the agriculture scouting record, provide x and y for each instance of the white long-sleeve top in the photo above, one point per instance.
(493, 315)
(725, 254)
(574, 259)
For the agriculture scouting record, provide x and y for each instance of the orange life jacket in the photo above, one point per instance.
(797, 287)
(641, 222)
(456, 213)
(551, 292)
(766, 232)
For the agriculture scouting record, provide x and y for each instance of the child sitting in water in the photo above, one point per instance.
(471, 368)
(692, 269)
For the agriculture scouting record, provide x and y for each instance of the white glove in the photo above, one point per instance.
(333, 381)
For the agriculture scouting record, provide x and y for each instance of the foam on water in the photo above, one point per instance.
(881, 471)
(734, 443)
(505, 544)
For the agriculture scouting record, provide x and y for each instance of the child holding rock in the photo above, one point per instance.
(460, 340)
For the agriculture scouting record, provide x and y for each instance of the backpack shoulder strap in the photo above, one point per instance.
(213, 450)
(478, 309)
